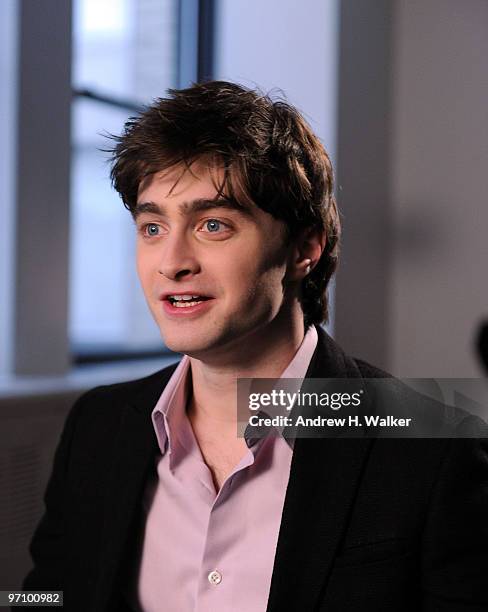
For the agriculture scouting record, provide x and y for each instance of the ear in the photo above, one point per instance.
(308, 248)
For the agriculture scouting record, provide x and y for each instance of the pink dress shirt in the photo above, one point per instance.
(204, 551)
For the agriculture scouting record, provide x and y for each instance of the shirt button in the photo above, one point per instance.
(215, 577)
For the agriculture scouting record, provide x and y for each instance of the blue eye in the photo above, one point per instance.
(213, 225)
(152, 229)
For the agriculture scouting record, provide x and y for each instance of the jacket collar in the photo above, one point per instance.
(330, 361)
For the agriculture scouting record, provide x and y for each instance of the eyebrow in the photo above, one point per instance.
(191, 207)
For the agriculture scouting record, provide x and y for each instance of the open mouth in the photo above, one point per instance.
(186, 301)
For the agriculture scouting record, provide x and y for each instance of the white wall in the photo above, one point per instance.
(287, 45)
(439, 187)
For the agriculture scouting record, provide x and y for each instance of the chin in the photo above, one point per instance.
(200, 345)
(187, 343)
(206, 338)
(178, 345)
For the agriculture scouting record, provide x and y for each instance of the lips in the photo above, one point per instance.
(186, 296)
(185, 303)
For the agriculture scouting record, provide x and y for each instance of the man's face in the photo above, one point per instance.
(232, 261)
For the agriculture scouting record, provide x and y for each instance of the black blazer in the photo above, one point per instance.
(380, 525)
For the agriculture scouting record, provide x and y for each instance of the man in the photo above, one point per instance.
(155, 503)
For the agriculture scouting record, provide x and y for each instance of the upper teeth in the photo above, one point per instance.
(184, 297)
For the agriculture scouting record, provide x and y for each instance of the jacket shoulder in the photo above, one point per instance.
(130, 388)
(434, 416)
(143, 391)
(370, 371)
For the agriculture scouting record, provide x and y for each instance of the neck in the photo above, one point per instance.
(262, 354)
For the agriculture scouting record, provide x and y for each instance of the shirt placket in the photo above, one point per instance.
(217, 573)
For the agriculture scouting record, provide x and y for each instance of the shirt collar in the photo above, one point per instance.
(170, 409)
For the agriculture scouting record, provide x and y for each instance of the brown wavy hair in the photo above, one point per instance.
(270, 156)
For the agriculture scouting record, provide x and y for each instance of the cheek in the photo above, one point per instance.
(271, 286)
(146, 268)
(141, 271)
(270, 276)
(256, 282)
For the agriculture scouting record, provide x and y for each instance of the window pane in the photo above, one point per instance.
(124, 49)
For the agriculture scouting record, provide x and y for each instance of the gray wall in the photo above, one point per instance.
(439, 287)
(412, 160)
(42, 188)
(363, 188)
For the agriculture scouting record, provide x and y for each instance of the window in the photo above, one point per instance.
(125, 53)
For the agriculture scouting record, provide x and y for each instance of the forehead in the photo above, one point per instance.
(200, 180)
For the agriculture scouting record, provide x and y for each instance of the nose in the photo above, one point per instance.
(178, 259)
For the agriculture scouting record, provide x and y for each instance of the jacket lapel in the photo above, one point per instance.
(136, 447)
(324, 477)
